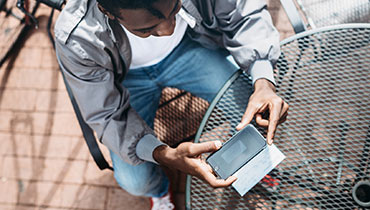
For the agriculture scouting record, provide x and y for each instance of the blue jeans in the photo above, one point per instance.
(189, 67)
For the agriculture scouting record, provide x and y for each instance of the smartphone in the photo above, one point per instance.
(237, 151)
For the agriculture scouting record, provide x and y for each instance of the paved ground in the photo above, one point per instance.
(44, 162)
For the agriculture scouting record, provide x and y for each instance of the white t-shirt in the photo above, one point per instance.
(151, 50)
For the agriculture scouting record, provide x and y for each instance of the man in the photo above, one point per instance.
(117, 56)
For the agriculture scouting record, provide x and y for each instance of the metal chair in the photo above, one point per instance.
(324, 75)
(318, 13)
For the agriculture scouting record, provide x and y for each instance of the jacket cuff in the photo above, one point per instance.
(146, 146)
(261, 69)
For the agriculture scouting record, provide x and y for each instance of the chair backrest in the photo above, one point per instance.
(318, 13)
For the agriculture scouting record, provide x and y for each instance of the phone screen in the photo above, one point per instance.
(233, 152)
(237, 151)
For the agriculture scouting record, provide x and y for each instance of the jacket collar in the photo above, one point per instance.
(189, 7)
(120, 39)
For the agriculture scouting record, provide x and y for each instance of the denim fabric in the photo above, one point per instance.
(189, 67)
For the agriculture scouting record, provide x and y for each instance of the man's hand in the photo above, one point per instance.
(187, 158)
(265, 99)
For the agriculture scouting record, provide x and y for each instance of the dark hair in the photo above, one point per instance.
(113, 6)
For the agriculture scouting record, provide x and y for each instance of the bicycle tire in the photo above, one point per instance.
(23, 26)
(17, 33)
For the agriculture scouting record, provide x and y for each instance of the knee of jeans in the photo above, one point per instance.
(133, 186)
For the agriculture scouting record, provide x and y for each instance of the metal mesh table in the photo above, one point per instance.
(324, 75)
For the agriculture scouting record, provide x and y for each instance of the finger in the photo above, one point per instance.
(199, 148)
(275, 110)
(214, 182)
(284, 110)
(260, 121)
(283, 118)
(283, 113)
(247, 117)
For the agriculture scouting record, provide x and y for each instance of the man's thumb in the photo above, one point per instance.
(204, 147)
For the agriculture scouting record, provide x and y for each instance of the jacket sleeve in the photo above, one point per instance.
(249, 35)
(104, 104)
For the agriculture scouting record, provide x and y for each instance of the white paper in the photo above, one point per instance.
(257, 168)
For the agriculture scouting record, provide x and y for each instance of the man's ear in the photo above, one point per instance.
(110, 16)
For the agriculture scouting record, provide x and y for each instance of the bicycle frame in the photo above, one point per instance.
(26, 20)
(23, 6)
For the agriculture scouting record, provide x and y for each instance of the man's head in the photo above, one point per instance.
(143, 17)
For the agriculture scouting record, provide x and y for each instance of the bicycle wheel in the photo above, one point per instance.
(12, 26)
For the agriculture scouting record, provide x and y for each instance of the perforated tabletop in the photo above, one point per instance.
(324, 75)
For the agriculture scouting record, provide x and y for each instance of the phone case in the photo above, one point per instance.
(237, 151)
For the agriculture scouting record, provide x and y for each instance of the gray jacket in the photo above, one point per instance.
(94, 54)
